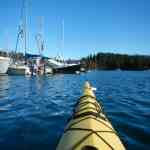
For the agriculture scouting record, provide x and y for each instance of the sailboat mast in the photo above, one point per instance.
(25, 26)
(39, 37)
(62, 34)
(62, 40)
(6, 41)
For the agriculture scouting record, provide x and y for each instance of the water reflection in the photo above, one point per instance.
(4, 86)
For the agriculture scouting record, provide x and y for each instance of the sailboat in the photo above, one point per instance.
(20, 67)
(4, 63)
(59, 65)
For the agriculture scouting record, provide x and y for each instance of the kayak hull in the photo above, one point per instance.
(89, 128)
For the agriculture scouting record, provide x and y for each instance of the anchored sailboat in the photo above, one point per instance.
(20, 67)
(59, 65)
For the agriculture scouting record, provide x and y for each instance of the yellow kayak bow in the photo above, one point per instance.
(89, 128)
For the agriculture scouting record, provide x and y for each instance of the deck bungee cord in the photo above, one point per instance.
(89, 128)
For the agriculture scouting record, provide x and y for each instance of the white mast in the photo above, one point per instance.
(62, 39)
(62, 35)
(22, 28)
(6, 42)
(39, 37)
(25, 25)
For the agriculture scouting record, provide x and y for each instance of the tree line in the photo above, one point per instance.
(103, 61)
(17, 56)
(111, 61)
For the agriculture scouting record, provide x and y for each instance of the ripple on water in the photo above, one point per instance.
(34, 111)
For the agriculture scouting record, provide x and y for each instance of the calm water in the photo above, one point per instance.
(34, 111)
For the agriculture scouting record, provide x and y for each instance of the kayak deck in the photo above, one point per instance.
(89, 128)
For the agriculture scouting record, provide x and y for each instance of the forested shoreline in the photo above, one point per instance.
(104, 61)
(111, 61)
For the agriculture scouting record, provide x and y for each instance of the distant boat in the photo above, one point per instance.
(4, 64)
(63, 67)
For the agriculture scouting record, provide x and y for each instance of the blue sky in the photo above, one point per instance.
(90, 26)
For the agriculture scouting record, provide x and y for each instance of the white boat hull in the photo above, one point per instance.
(18, 70)
(4, 64)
